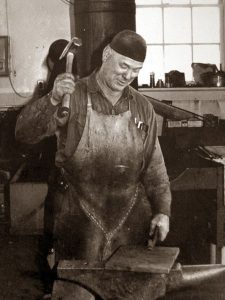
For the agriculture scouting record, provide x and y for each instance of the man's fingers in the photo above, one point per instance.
(65, 76)
(162, 233)
(64, 84)
(161, 221)
(152, 228)
(163, 230)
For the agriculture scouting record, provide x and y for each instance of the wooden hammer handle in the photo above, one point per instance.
(69, 62)
(66, 99)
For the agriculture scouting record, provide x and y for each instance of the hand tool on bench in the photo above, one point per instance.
(69, 51)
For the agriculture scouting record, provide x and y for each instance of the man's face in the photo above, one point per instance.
(119, 71)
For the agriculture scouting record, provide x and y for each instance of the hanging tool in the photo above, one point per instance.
(172, 112)
(70, 51)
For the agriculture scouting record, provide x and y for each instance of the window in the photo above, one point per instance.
(179, 32)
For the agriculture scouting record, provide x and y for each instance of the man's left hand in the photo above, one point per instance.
(162, 221)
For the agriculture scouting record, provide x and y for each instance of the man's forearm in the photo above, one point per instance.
(36, 121)
(157, 183)
(161, 199)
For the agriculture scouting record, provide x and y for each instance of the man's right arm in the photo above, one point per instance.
(36, 121)
(39, 118)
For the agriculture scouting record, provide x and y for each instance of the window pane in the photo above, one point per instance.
(176, 1)
(175, 61)
(149, 24)
(153, 63)
(204, 1)
(206, 25)
(177, 25)
(147, 2)
(207, 54)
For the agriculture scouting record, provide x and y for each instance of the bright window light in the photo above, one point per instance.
(178, 33)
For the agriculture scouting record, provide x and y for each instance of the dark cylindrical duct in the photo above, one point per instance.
(96, 21)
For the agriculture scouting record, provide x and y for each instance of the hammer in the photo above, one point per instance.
(70, 51)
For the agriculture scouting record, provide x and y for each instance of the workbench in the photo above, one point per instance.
(207, 178)
(190, 172)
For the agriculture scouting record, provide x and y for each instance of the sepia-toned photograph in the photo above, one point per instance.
(112, 149)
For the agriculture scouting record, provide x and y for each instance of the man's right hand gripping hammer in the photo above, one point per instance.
(64, 85)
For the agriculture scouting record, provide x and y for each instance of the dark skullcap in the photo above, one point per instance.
(130, 44)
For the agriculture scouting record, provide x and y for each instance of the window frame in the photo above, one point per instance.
(221, 43)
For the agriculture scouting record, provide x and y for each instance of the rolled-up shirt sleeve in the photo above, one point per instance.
(155, 178)
(37, 120)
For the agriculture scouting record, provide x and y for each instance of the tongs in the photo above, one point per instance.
(153, 239)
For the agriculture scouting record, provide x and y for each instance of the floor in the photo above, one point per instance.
(20, 276)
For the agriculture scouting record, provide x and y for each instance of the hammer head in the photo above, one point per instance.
(71, 46)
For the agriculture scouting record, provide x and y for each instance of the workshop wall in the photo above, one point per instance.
(32, 26)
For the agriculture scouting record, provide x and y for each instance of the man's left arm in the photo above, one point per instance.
(156, 182)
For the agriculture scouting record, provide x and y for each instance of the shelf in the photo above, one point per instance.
(185, 94)
(196, 89)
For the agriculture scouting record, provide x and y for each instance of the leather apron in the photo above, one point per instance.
(104, 206)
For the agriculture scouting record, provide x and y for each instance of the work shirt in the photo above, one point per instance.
(39, 120)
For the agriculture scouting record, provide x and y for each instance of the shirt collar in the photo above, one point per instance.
(93, 87)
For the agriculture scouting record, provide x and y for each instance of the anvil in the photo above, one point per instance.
(131, 274)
